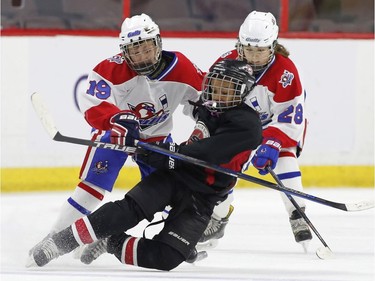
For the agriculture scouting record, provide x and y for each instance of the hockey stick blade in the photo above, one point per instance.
(49, 125)
(359, 206)
(43, 114)
(351, 207)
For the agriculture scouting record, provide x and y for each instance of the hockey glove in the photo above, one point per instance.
(158, 160)
(125, 128)
(266, 154)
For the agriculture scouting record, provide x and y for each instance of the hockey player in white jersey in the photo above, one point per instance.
(279, 98)
(131, 95)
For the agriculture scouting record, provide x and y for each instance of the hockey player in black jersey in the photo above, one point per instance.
(226, 133)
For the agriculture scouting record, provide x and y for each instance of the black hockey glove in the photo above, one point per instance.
(125, 128)
(158, 160)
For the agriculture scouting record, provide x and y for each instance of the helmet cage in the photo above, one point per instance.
(256, 67)
(146, 65)
(225, 88)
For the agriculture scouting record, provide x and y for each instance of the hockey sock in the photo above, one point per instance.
(289, 173)
(85, 199)
(144, 252)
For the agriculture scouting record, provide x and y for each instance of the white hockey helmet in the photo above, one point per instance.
(134, 32)
(258, 30)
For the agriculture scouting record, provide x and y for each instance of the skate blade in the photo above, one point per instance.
(77, 253)
(200, 256)
(305, 245)
(30, 262)
(210, 244)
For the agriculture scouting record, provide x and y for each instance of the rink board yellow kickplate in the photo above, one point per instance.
(55, 179)
(66, 178)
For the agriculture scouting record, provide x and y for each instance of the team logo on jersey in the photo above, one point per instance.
(286, 78)
(117, 59)
(148, 113)
(100, 167)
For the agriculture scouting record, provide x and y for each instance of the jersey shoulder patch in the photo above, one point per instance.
(282, 79)
(286, 78)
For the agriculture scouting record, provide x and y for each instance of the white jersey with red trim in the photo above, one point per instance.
(114, 87)
(279, 99)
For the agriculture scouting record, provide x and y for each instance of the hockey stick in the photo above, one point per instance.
(349, 207)
(47, 122)
(322, 253)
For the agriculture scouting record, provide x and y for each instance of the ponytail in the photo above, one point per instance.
(280, 49)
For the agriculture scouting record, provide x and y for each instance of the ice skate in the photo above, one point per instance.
(196, 256)
(44, 253)
(301, 230)
(39, 244)
(92, 251)
(209, 244)
(215, 228)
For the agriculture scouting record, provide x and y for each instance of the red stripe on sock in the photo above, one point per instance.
(83, 232)
(92, 191)
(129, 251)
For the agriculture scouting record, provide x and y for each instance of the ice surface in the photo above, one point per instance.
(258, 244)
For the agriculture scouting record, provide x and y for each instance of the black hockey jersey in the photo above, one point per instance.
(233, 136)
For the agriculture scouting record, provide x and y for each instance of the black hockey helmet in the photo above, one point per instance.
(227, 84)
